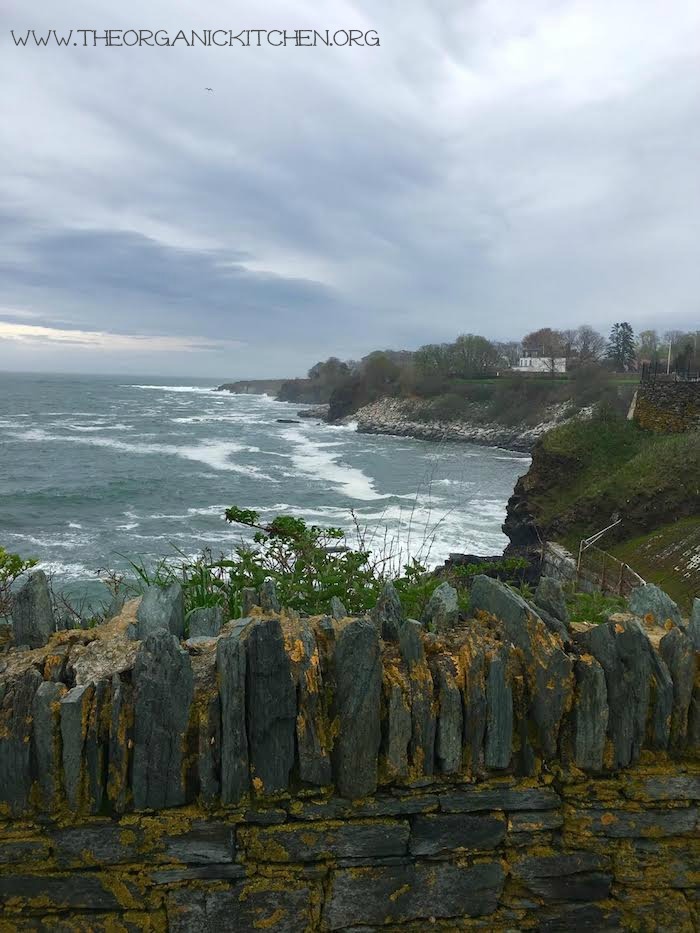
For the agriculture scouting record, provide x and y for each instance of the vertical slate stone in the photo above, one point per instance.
(271, 708)
(661, 701)
(623, 651)
(269, 601)
(205, 622)
(338, 610)
(249, 599)
(499, 712)
(694, 624)
(46, 742)
(694, 709)
(75, 712)
(548, 670)
(358, 670)
(97, 746)
(448, 744)
(163, 692)
(442, 612)
(32, 614)
(423, 718)
(473, 661)
(679, 654)
(388, 613)
(162, 609)
(396, 725)
(15, 747)
(312, 722)
(590, 716)
(231, 670)
(121, 739)
(650, 601)
(549, 596)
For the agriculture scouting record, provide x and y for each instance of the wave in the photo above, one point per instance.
(68, 571)
(68, 541)
(90, 428)
(197, 390)
(214, 454)
(311, 459)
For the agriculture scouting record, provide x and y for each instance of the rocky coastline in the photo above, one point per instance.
(405, 418)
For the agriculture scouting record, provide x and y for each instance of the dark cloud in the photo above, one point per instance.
(491, 167)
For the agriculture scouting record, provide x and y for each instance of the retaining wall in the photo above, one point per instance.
(318, 774)
(668, 407)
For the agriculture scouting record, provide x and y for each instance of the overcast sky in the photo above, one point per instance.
(490, 167)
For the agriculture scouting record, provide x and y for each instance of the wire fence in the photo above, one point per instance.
(596, 569)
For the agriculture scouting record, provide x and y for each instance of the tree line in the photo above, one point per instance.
(439, 368)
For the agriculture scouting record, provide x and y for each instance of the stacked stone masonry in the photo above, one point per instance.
(668, 407)
(306, 774)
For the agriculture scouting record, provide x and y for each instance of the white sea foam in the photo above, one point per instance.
(89, 428)
(197, 390)
(311, 459)
(215, 454)
(69, 571)
(66, 541)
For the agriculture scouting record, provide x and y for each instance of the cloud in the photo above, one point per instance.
(110, 342)
(492, 167)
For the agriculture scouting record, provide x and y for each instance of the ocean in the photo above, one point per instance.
(96, 471)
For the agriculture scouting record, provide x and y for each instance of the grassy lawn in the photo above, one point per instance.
(668, 556)
(612, 465)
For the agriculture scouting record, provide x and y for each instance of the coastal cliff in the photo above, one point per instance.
(414, 418)
(588, 474)
(252, 387)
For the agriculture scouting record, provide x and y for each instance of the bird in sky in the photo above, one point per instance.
(209, 89)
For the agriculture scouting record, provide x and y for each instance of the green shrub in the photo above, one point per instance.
(310, 565)
(594, 607)
(12, 566)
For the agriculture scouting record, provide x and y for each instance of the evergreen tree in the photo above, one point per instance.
(621, 346)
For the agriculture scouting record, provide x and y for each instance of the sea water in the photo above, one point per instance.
(98, 471)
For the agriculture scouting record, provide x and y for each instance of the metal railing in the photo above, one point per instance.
(659, 372)
(601, 570)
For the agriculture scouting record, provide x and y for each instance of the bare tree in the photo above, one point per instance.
(590, 345)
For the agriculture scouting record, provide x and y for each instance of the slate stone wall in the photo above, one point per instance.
(561, 852)
(307, 774)
(668, 407)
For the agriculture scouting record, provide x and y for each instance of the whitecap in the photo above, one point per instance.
(73, 571)
(312, 460)
(198, 390)
(215, 454)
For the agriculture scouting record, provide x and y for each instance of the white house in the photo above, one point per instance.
(541, 364)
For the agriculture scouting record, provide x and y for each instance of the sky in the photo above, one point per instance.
(489, 167)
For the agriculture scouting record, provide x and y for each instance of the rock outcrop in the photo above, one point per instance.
(32, 614)
(413, 418)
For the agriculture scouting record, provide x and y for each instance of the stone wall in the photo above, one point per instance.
(555, 852)
(506, 771)
(668, 407)
(599, 571)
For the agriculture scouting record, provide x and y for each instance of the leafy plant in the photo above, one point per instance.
(594, 607)
(12, 566)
